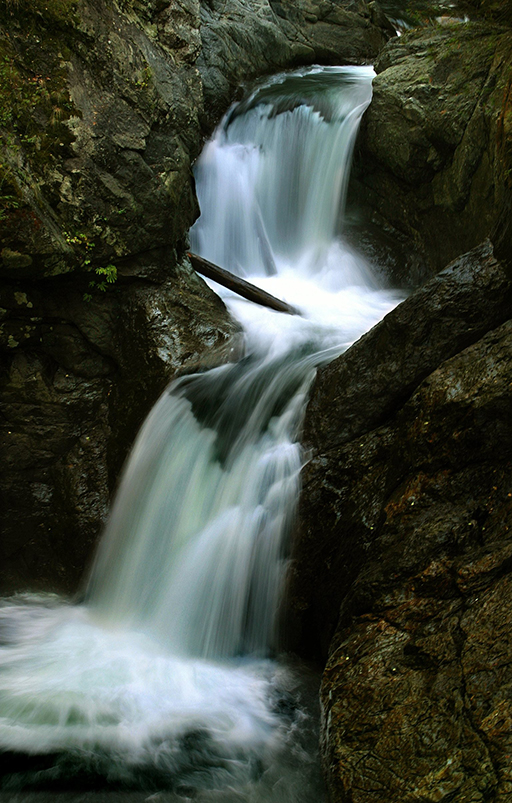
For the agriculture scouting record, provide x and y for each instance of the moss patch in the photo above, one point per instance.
(50, 11)
(34, 107)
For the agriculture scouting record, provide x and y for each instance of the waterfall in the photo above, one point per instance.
(167, 676)
(274, 177)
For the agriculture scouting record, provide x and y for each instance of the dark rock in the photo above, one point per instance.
(102, 170)
(502, 235)
(498, 10)
(242, 41)
(408, 523)
(415, 692)
(78, 380)
(433, 157)
(369, 382)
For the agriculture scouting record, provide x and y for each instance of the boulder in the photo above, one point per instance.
(433, 161)
(363, 387)
(406, 517)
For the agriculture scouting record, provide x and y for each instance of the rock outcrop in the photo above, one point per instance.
(242, 42)
(406, 516)
(434, 159)
(78, 382)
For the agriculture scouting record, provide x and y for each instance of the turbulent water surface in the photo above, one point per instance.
(167, 679)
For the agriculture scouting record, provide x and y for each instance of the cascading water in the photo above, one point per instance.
(163, 677)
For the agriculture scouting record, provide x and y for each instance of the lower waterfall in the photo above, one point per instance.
(168, 676)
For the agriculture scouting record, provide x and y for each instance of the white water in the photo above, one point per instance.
(164, 676)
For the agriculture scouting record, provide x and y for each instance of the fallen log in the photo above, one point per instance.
(240, 286)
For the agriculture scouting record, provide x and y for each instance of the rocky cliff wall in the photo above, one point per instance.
(416, 689)
(406, 517)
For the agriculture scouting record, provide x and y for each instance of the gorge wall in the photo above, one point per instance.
(432, 170)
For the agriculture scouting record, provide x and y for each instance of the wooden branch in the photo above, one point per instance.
(240, 286)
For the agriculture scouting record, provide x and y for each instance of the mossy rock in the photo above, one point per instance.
(433, 160)
(497, 10)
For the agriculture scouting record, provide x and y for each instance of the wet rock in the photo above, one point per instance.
(433, 158)
(407, 521)
(242, 41)
(78, 380)
(369, 382)
(415, 691)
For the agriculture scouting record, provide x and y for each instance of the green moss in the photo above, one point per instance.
(52, 11)
(33, 104)
(34, 107)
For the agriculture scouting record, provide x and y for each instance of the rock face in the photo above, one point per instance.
(363, 387)
(242, 41)
(103, 128)
(102, 113)
(432, 174)
(406, 516)
(499, 10)
(79, 379)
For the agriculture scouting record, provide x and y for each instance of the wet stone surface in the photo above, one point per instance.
(431, 163)
(412, 521)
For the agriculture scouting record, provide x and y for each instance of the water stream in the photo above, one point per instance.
(169, 677)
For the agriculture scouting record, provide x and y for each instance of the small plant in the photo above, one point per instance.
(78, 239)
(106, 276)
(143, 78)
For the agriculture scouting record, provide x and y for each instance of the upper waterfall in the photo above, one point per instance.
(272, 182)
